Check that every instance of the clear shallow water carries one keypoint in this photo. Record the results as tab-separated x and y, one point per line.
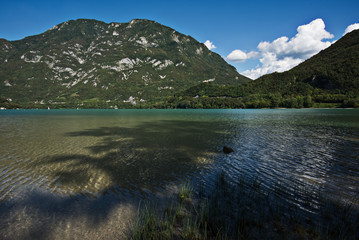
80	173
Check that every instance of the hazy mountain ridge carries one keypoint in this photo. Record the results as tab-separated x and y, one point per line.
92	63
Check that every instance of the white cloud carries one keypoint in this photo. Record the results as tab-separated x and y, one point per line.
350	28
307	42
209	45
270	64
240	56
283	53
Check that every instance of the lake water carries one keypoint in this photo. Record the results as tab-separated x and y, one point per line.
82	173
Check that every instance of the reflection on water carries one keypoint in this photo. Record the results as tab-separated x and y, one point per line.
82	173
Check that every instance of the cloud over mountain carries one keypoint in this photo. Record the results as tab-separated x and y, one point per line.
240	56
209	45
350	28
283	53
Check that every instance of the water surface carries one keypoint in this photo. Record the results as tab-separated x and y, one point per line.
82	173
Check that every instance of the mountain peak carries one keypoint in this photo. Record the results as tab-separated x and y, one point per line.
85	59
141	20
85	21
78	23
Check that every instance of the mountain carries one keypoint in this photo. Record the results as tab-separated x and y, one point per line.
90	63
335	68
328	79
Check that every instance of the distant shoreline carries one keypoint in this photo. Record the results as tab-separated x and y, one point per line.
4	109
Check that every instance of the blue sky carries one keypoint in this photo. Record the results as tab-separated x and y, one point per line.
229	25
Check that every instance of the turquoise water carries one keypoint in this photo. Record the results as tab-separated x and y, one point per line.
83	172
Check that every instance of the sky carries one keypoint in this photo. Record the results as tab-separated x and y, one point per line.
256	37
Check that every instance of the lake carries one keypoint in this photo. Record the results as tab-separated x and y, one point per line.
67	174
